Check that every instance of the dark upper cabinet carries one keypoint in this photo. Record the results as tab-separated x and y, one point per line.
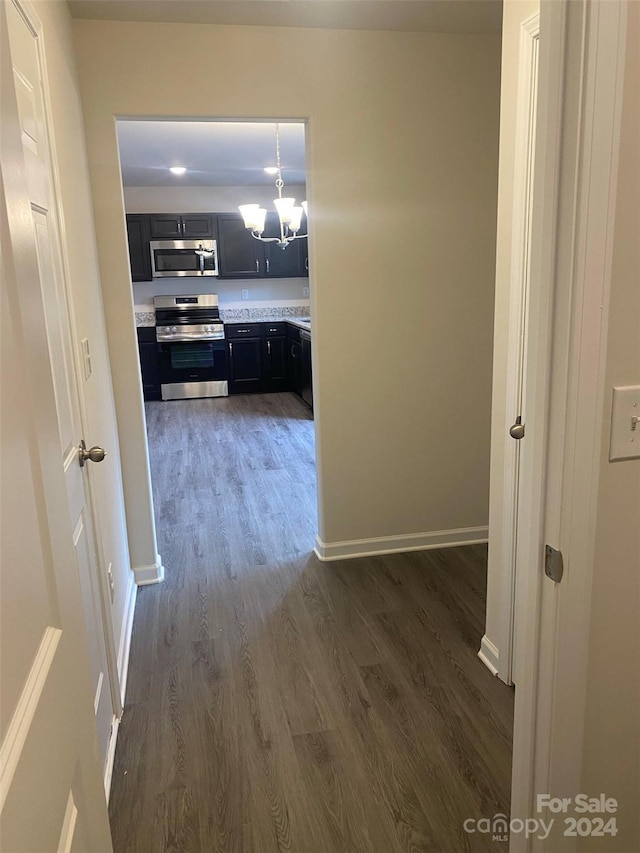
239	254
196	225
179	226
139	257
281	263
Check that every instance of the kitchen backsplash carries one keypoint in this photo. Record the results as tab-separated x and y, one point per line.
240	315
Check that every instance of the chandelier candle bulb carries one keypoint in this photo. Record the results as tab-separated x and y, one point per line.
296	218
284	206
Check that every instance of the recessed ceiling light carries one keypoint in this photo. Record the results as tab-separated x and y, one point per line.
271	170
177	170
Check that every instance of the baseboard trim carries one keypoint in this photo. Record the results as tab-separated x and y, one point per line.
124	645
489	654
327	551
111	754
154	573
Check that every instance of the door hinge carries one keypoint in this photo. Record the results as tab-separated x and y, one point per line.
553	563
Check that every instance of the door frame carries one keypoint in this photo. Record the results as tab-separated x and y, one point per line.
580	87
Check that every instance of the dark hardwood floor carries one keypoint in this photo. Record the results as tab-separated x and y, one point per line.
277	703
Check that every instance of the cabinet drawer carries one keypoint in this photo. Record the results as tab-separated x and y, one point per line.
274	329
146	334
243	330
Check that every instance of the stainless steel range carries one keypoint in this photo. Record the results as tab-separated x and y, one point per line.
191	346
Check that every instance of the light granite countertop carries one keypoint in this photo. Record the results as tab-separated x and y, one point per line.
298	315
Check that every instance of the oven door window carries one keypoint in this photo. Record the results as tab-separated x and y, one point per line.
191	361
191	356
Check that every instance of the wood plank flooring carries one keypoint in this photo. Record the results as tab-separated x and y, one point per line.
277	703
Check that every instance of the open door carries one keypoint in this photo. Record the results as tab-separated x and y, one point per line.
51	785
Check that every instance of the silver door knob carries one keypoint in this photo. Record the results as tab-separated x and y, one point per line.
517	430
93	454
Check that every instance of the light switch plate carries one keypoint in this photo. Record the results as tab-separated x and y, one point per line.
245	293
625	423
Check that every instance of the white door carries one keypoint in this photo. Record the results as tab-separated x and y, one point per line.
51	793
29	79
515	517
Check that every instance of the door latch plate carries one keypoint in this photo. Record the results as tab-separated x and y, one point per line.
553	563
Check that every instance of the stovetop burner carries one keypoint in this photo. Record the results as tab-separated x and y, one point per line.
188	318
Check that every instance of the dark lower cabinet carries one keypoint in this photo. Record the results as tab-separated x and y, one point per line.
259	357
275	363
245	365
305	379
149	362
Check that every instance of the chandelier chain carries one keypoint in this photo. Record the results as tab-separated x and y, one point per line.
279	181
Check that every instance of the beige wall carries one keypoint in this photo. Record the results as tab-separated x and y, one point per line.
612	748
86	296
513	14
401	161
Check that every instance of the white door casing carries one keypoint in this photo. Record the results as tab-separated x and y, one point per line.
581	75
52	695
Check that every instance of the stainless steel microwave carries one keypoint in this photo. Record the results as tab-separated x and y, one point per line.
170	258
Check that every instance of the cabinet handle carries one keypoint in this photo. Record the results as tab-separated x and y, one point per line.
306	264
269	347
293	355
268	264
257	265
231	348
242	331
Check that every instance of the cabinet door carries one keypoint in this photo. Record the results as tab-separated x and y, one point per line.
245	365
165	226
306	380
294	359
275	363
150	370
281	263
139	257
240	255
197	225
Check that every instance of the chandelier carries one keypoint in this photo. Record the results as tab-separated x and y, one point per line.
289	214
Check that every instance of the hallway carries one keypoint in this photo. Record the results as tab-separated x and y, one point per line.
277	703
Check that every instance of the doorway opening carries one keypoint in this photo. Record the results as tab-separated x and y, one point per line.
223	321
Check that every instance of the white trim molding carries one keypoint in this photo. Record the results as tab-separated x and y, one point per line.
327	551
489	654
124	645
111	754
153	573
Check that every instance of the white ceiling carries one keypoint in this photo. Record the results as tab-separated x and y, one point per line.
436	16
215	153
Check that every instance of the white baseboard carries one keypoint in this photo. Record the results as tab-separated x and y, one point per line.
124	645
326	551
489	654
149	574
111	754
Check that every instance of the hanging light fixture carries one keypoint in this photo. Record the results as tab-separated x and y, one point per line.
289	214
